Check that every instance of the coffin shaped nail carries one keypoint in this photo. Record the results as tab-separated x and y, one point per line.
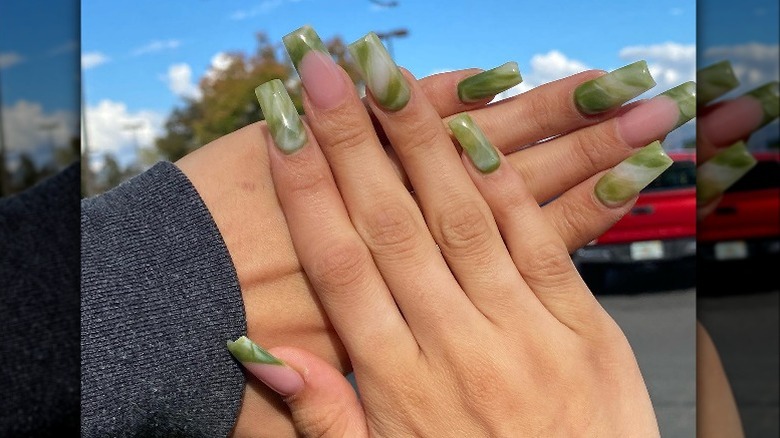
628	178
246	351
300	42
720	172
715	81
479	149
281	116
489	83
769	96
380	72
270	370
614	88
684	95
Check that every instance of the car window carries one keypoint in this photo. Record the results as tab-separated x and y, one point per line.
765	175
679	175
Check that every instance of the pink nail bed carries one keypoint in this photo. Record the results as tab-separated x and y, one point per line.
282	379
322	79
649	121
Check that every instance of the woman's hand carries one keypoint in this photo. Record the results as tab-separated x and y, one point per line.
464	316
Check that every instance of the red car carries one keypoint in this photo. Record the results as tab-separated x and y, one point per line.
660	227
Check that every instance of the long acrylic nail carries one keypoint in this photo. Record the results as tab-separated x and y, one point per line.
489	83
302	41
614	88
769	96
715	81
684	95
628	178
270	370
281	116
720	172
479	149
380	72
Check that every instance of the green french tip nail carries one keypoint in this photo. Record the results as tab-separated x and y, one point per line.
489	83
628	178
769	96
300	42
684	95
245	350
479	149
281	116
380	73
715	81
720	172
614	88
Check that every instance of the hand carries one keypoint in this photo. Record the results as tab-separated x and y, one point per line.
465	315
233	178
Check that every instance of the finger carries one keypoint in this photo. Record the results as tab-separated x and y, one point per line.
381	209
456	215
331	253
321	400
536	250
553	167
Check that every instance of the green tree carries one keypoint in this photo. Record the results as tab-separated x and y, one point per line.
228	101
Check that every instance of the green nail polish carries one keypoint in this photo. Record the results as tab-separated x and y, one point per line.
489	83
479	149
633	174
281	116
300	42
614	88
245	350
684	95
715	81
720	172
380	73
769	96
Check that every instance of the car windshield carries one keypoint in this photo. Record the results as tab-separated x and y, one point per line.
679	175
765	175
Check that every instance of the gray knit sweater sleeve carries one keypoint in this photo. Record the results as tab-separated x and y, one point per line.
159	299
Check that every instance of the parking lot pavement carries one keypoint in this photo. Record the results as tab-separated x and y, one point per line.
661	329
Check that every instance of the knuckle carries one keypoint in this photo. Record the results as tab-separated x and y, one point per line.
346	136
341	265
389	227
321	420
303	179
572	221
540	108
425	135
463	228
550	264
593	148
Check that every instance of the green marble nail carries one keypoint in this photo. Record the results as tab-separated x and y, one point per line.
715	81
720	172
245	350
769	96
380	73
614	88
479	149
684	95
281	116
489	83
633	174
300	41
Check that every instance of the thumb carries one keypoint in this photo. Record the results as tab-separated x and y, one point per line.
322	402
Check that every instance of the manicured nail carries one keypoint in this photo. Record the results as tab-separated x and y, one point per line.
650	120
382	76
489	83
614	88
302	41
684	95
720	172
628	178
715	81
281	116
270	370
769	96
479	149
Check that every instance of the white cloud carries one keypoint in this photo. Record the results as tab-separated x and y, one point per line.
93	59
670	63
754	64
27	127
10	59
546	67
263	7
180	82
108	127
156	46
219	63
